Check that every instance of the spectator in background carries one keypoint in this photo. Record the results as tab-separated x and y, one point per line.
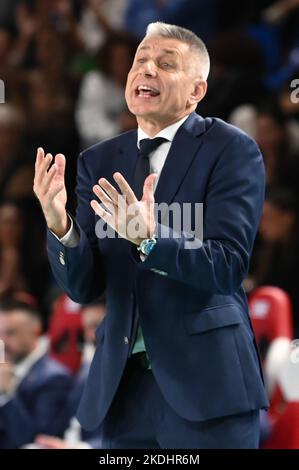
236	74
51	95
275	258
12	75
201	16
276	135
274	139
26	25
198	15
12	276
101	109
33	387
51	88
24	263
283	16
30	16
16	170
235	14
75	437
100	18
246	17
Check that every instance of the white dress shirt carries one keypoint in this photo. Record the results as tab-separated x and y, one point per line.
157	159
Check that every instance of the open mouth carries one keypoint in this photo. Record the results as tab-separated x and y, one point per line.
145	91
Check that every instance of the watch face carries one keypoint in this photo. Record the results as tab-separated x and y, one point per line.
147	249
146	246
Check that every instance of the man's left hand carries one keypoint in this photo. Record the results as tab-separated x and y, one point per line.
130	218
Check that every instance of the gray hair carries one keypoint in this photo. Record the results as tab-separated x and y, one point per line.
172	31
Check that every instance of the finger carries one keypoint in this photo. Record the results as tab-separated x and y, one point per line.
60	161
104	198
125	188
58	172
148	188
106	216
109	189
48	179
42	173
42	169
40	154
57	169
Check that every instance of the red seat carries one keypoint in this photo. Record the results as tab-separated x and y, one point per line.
271	315
66	333
285	434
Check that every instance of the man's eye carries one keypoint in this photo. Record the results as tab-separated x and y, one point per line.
140	61
166	65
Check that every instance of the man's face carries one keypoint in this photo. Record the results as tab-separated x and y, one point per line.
18	332
162	84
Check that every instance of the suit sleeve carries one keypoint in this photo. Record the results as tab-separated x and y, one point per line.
78	270
232	207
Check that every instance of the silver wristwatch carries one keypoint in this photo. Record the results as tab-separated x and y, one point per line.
147	245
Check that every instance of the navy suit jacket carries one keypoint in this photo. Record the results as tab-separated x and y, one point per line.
194	317
37	405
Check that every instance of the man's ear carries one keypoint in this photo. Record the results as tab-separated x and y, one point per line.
199	90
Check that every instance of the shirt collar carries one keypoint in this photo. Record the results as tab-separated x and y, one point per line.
168	132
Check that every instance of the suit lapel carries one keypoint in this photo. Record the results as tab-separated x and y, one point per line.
127	158
181	154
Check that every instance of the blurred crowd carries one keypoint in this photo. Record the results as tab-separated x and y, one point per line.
64	65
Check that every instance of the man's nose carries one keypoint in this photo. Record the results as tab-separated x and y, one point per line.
150	69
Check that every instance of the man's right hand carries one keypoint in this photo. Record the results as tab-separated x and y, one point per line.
49	187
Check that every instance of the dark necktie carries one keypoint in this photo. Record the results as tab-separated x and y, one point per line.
142	169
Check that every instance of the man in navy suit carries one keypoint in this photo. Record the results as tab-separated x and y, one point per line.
33	387
176	364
